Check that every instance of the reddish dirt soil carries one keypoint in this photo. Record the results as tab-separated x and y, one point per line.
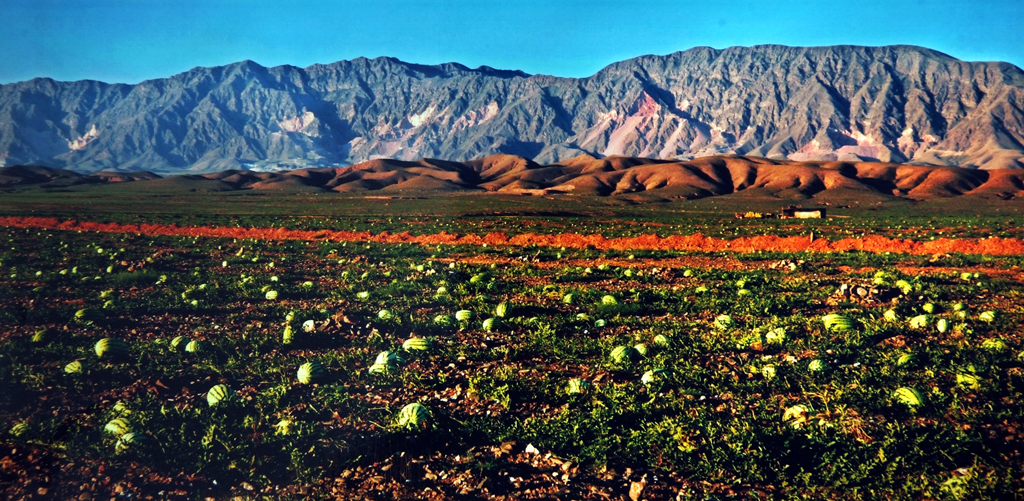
696	242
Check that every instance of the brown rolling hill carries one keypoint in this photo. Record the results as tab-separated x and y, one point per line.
583	175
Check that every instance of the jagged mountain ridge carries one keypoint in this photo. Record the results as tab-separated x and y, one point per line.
893	104
583	175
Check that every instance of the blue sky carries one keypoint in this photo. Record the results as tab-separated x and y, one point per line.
133	40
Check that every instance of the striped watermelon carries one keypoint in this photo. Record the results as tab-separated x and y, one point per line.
987	316
111	348
968	381
463	315
942	325
444	320
288	335
131	440
310	372
568	298
662	341
641	349
909	397
502	310
994	344
490	324
417	344
117	427
906	360
837	323
218	394
388	357
413	416
194	346
19	429
89	315
383	369
179	343
817	365
624	355
73	368
385	315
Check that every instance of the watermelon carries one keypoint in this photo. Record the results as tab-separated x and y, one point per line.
117	427
688	273
413	416
836	322
968	381
641	349
919	322
475	279
994	344
271	295
131	440
796	416
194	346
179	343
288	335
817	365
929	308
74	367
381	369
609	300
654	376
942	325
308	326
502	310
388	357
662	341
490	324
19	429
40	336
444	320
724	322
310	372
987	316
463	315
624	355
600	323
385	315
959	307
568	299
904	286
776	336
111	348
578	386
89	315
909	397
417	344
906	360
218	394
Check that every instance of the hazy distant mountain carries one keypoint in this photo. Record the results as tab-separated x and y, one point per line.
897	103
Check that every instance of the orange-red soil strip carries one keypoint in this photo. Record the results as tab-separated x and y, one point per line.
696	242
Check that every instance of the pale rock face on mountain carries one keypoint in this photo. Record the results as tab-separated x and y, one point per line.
892	104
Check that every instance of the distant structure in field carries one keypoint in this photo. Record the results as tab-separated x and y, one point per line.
788	212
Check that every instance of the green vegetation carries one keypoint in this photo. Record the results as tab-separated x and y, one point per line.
165	364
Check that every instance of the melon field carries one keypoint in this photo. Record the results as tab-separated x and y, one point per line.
216	350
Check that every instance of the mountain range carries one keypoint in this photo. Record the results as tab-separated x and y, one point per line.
582	175
901	104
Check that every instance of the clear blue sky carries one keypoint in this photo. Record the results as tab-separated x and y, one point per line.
133	40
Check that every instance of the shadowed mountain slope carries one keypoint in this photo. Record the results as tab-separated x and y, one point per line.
841	103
